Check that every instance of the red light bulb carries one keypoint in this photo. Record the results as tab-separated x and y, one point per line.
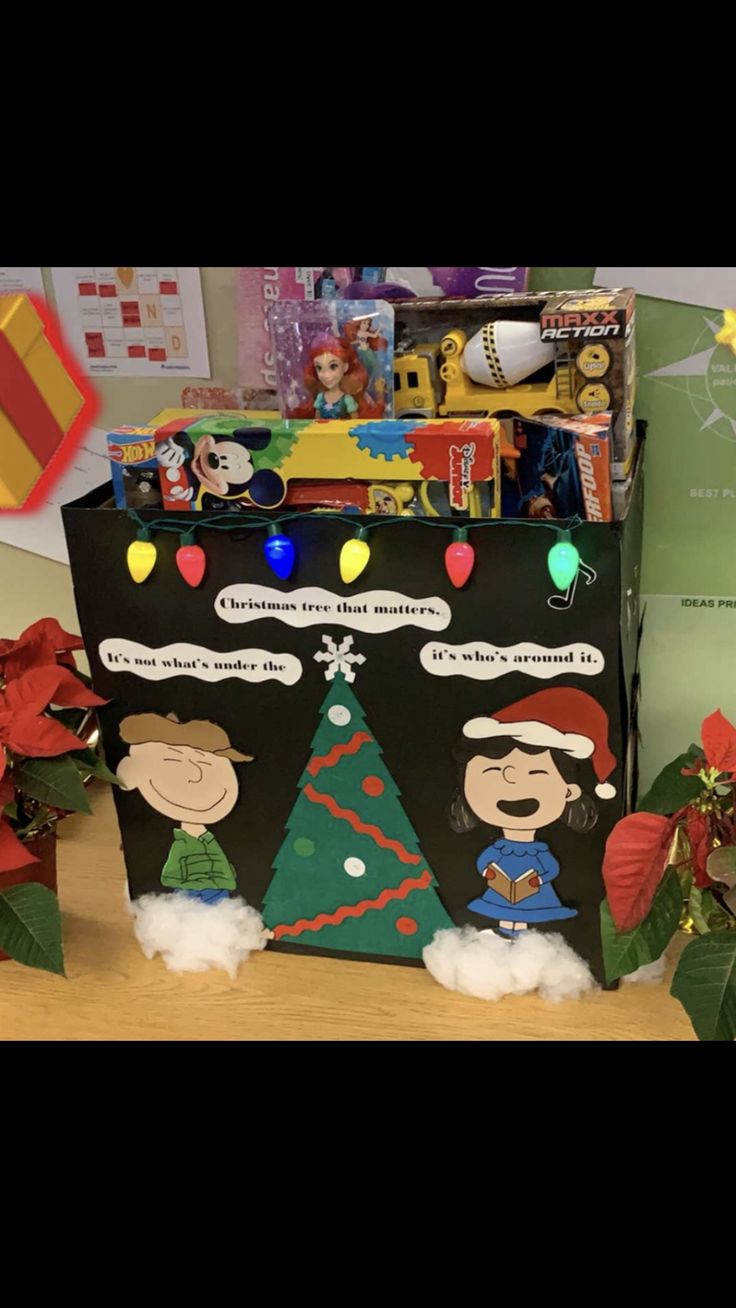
459	559
191	561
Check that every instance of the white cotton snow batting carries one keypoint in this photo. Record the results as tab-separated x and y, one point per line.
488	966
648	975
193	937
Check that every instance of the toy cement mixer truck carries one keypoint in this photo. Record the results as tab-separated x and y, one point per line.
484	376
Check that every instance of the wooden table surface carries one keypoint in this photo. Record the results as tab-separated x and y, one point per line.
113	993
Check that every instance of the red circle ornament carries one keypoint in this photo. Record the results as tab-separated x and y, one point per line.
373	786
406	926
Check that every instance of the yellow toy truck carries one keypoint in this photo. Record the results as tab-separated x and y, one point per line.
431	381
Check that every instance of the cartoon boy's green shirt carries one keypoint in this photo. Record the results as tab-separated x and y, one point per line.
197	863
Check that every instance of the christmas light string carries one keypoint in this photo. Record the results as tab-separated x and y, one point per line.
563	560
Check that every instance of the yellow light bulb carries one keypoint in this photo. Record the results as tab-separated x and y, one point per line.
354	557
141	559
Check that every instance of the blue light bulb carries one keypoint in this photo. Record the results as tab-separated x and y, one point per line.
280	554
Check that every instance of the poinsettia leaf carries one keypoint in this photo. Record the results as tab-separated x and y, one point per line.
53	781
20	655
671	790
7	792
32	691
625	951
42	644
695	751
70	717
719	742
38	737
50	629
707	912
39	687
13	854
90	764
705	984
75	689
699	834
722	865
634	864
30	927
699	905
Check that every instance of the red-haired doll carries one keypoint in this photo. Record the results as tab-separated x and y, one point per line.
338	381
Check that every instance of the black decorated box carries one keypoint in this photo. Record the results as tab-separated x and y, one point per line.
369	763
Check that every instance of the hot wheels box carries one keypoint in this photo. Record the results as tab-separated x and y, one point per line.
135	466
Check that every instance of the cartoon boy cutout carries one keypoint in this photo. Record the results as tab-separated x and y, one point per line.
517	772
185	771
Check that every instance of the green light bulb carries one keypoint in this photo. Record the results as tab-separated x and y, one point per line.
563	563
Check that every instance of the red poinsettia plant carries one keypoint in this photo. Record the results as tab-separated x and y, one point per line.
675	860
44	703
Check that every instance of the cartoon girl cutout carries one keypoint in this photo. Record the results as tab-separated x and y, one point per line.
337	381
517	771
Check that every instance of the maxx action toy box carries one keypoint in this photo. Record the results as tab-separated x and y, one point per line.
521	355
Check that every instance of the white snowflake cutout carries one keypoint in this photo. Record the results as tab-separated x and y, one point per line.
339	658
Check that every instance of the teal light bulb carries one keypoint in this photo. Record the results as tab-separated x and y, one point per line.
563	563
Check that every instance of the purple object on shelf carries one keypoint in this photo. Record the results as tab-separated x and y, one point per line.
464	283
473	282
371	291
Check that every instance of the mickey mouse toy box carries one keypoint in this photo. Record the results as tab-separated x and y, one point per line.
230	462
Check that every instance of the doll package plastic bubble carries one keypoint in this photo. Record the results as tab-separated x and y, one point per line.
334	358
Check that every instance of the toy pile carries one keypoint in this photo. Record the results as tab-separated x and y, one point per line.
517	406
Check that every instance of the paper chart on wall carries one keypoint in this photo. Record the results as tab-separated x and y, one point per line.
41	532
15	280
134	322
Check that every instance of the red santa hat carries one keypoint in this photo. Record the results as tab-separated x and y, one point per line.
559	718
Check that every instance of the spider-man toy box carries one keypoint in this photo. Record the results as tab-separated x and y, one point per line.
563	468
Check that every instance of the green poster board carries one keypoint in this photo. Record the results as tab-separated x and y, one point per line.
687	392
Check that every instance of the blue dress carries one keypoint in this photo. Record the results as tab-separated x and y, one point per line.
515	857
345	407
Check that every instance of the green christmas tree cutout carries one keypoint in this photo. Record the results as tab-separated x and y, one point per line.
350	874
